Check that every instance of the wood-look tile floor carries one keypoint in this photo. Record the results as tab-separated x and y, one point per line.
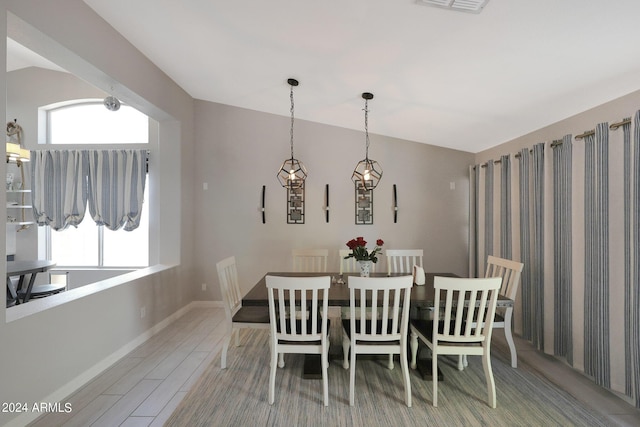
144	387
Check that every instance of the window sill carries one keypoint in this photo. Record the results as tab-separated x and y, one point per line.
35	306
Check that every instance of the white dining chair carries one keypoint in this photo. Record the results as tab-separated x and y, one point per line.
510	272
238	317
377	324
299	322
350	265
310	260
403	260
451	332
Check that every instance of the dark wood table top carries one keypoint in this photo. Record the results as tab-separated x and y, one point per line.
421	296
20	268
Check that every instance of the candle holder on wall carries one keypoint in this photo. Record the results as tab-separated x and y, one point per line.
395	204
295	205
364	203
264	190
326	208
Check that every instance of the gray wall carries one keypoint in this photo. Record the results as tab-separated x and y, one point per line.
48	354
238	151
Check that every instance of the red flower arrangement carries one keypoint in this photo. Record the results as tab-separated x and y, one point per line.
359	251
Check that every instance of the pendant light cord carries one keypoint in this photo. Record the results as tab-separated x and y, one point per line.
366	127
291	97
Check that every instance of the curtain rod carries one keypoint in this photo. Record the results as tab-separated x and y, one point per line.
556	142
517	155
484	165
586	133
615	126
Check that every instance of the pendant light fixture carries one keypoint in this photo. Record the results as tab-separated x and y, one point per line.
292	173
367	172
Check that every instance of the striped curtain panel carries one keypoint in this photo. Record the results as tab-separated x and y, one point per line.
628	271
581	252
505	208
537	248
488	212
59	187
474	178
596	292
562	260
525	243
633	295
116	187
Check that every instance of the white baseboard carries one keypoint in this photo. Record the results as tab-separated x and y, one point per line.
207	304
84	378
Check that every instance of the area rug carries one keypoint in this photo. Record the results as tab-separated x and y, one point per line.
238	395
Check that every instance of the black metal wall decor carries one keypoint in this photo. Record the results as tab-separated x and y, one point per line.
295	204
364	203
264	190
395	204
326	208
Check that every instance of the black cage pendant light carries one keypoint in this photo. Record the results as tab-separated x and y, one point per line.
292	173
368	172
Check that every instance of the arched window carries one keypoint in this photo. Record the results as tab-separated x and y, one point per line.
87	123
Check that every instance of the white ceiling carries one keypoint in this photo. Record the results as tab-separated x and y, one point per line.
453	79
19	57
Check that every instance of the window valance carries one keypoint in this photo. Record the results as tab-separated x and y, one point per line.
110	181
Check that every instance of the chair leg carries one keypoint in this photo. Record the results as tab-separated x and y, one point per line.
390	364
352	378
237	334
345	350
225	348
509	337
488	373
281	360
272	374
404	365
414	349
325	379
434	377
463	362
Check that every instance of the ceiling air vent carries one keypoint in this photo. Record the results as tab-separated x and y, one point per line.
472	6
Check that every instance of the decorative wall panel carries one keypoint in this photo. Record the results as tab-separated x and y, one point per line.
364	203
295	205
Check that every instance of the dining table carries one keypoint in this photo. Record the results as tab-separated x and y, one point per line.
27	271
422	300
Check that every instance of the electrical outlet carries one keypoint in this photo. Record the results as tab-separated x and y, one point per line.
204	286
143	312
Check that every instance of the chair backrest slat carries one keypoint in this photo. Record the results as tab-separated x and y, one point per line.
229	285
382	298
295	315
479	295
310	260
403	260
509	271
